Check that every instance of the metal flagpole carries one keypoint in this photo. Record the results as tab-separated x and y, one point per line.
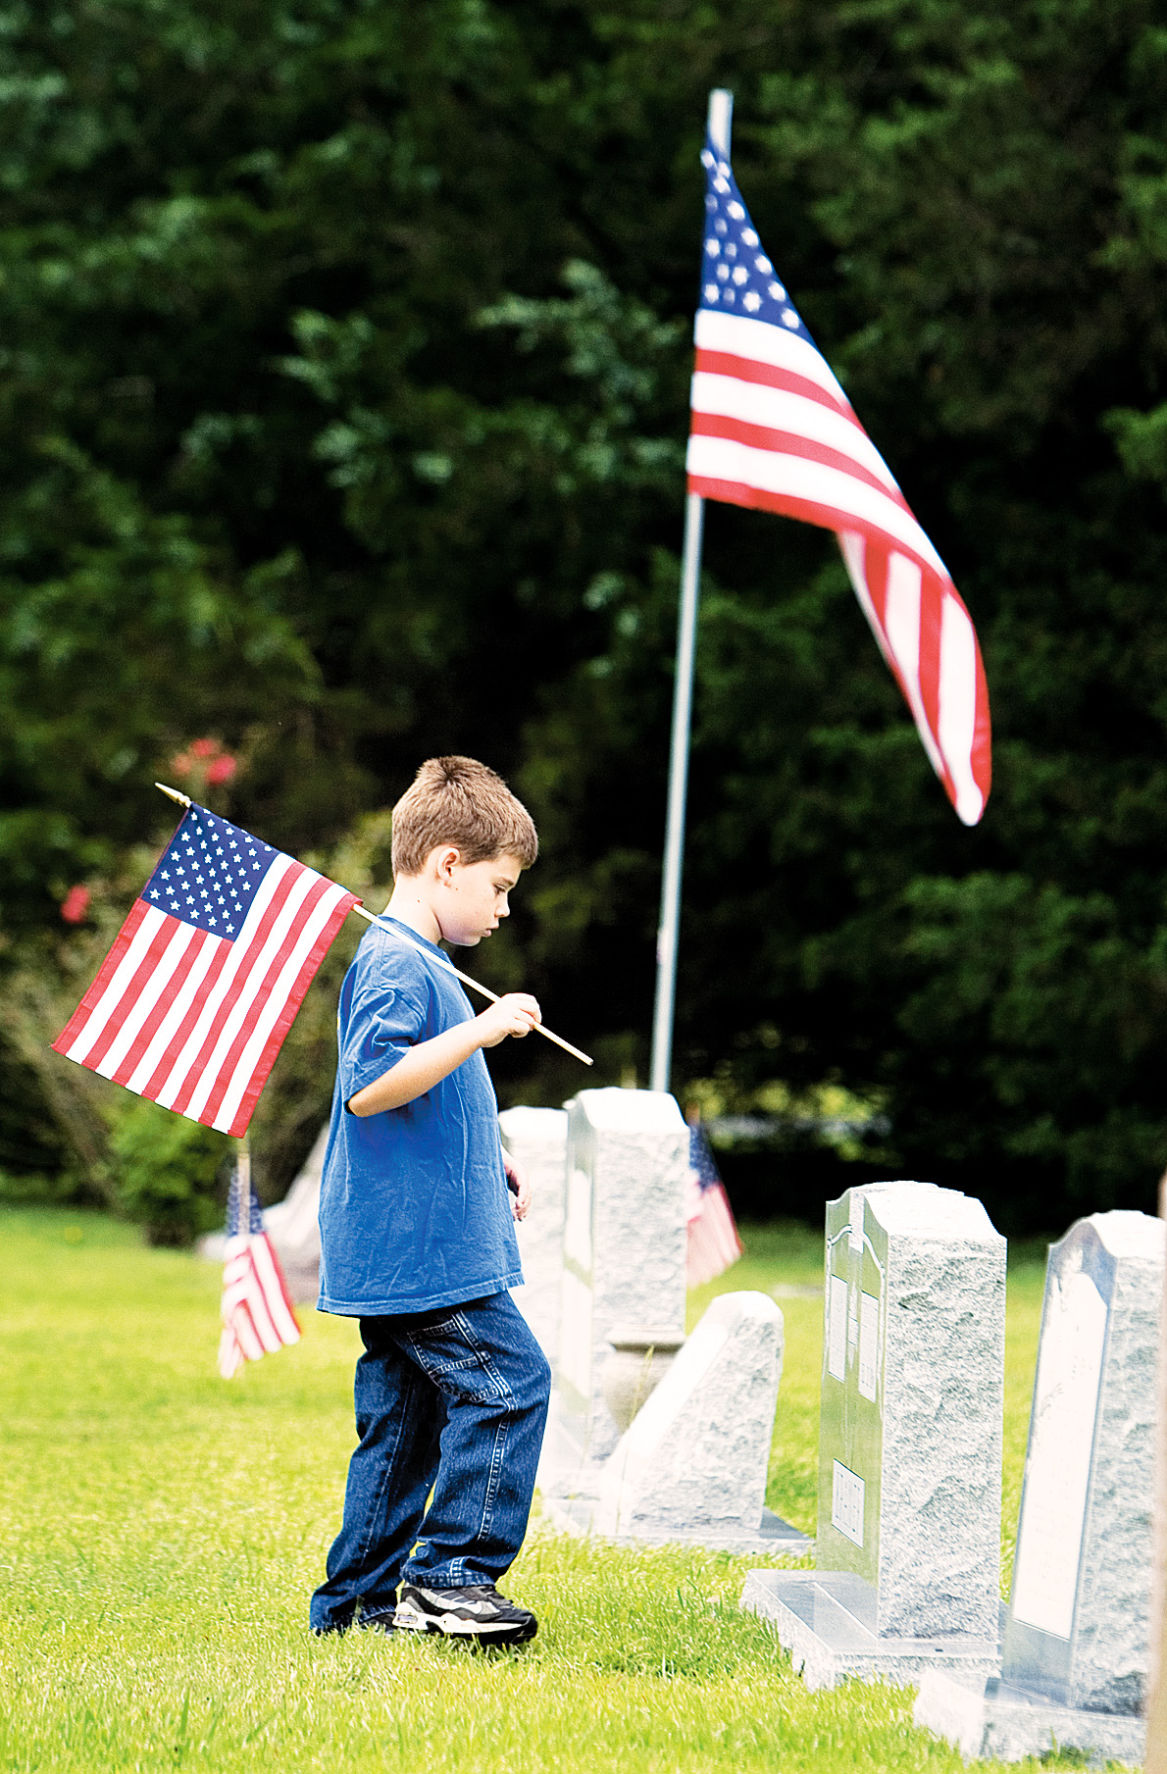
719	120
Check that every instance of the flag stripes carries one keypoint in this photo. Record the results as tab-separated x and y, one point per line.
258	1316
772	429
712	1241
193	1018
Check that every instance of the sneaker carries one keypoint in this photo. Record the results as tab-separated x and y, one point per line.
477	1611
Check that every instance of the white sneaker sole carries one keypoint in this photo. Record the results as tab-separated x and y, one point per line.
455	1626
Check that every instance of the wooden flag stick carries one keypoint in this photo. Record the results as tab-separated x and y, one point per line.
372	918
493	996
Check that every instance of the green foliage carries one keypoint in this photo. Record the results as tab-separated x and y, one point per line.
169	1172
343	365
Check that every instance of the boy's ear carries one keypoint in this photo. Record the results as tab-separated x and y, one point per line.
444	860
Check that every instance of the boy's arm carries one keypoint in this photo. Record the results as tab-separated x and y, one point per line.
430	1061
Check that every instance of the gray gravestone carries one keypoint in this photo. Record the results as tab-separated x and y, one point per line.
908	1544
537	1140
624	1247
294	1229
1075	1652
691	1468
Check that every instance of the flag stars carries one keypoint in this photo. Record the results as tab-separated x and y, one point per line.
738	274
209	875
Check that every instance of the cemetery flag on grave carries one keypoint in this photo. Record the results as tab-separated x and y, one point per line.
203	982
772	428
257	1313
712	1243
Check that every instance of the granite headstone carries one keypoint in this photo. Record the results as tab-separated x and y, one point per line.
908	1543
691	1467
1075	1651
537	1140
624	1245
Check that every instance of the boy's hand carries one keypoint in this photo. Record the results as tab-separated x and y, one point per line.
516	1015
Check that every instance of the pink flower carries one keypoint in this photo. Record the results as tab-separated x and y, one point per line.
181	764
75	905
205	748
220	770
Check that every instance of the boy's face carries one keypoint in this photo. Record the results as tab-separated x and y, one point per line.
475	898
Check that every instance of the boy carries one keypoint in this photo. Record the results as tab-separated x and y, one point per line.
416	1220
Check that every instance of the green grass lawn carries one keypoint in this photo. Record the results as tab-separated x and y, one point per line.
162	1530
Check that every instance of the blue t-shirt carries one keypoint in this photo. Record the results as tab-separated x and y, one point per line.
414	1206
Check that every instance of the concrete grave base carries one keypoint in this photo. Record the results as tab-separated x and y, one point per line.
827	1642
994	1720
576	1515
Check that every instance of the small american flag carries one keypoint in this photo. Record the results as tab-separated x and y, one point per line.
257	1313
772	428
713	1243
203	982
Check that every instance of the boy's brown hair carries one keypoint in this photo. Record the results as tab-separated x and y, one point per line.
460	801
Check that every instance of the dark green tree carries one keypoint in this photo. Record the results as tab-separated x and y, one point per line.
344	360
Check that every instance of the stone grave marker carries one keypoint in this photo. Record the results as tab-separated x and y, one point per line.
691	1467
537	1140
1075	1652
908	1544
624	1247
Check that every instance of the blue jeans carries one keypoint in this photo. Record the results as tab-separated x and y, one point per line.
452	1403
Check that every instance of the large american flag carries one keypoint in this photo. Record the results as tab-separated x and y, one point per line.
772	428
192	1003
258	1317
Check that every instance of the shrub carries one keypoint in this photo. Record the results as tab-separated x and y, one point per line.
167	1172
